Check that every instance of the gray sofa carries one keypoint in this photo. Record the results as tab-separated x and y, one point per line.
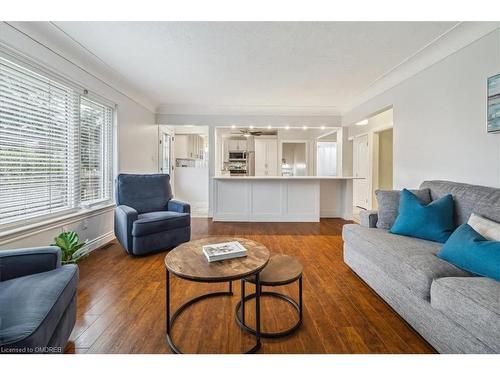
455	311
37	300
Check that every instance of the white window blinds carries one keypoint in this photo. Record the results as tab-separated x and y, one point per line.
95	144
54	156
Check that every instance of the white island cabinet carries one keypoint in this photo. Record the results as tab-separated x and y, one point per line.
281	199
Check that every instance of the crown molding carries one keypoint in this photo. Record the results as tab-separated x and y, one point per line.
57	41
246	110
455	39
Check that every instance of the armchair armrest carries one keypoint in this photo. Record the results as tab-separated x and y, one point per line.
178	206
23	262
368	218
124	220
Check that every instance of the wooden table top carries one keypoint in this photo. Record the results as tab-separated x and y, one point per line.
281	269
188	261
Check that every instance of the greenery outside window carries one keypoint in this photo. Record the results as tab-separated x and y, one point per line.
55	147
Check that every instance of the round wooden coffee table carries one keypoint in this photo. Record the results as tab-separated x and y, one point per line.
188	262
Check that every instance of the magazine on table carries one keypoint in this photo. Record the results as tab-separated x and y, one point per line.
224	250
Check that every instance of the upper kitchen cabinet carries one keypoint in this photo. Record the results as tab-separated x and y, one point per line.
189	146
266	156
237	144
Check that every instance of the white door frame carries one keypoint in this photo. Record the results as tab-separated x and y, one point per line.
162	130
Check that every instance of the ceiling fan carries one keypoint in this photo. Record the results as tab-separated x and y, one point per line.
247	132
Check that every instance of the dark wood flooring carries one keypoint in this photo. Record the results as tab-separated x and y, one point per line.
121	301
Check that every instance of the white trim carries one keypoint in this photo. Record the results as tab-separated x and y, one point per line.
278	218
58	43
455	39
245	110
334	213
21	232
40	68
96	243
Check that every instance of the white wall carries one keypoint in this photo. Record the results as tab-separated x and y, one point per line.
136	142
440	119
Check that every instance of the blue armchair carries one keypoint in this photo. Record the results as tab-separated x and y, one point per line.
37	300
147	219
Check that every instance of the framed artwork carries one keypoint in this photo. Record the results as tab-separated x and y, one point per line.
494	104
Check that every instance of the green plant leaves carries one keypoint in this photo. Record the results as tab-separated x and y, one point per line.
69	244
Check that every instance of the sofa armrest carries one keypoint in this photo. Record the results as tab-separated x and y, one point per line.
124	220
23	262
178	206
368	218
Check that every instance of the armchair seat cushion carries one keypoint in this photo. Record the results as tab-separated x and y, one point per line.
159	221
32	306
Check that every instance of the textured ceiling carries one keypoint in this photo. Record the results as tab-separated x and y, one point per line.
283	64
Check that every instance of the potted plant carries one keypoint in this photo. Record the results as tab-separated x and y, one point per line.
69	243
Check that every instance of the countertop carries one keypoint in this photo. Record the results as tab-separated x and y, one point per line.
225	177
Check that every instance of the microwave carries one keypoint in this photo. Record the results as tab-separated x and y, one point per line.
237	155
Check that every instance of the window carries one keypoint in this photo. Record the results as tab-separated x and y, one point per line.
95	145
55	147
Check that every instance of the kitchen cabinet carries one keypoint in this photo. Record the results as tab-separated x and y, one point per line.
266	156
237	145
189	146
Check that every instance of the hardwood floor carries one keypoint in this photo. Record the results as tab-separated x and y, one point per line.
121	301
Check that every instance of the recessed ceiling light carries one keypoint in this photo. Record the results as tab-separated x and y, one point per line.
251	126
287	127
362	122
304	127
269	126
323	127
233	126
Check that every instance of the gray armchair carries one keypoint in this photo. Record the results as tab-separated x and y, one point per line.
37	300
147	219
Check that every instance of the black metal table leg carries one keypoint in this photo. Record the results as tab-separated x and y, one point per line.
240	308
167	300
170	319
257	307
243	301
300	298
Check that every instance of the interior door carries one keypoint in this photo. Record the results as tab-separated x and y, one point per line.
167	155
360	170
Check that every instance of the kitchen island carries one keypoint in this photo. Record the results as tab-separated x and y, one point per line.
281	198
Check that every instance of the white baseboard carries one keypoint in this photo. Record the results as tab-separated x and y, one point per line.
276	218
330	214
97	243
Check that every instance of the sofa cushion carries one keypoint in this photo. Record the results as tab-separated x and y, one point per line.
160	221
471	302
388	205
32	306
481	200
410	261
470	251
433	221
487	228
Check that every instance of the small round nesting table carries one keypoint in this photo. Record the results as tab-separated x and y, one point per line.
188	262
281	270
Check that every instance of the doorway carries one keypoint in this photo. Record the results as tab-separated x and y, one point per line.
294	158
372	159
382	162
184	156
361	163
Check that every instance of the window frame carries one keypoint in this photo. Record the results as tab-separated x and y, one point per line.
78	210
